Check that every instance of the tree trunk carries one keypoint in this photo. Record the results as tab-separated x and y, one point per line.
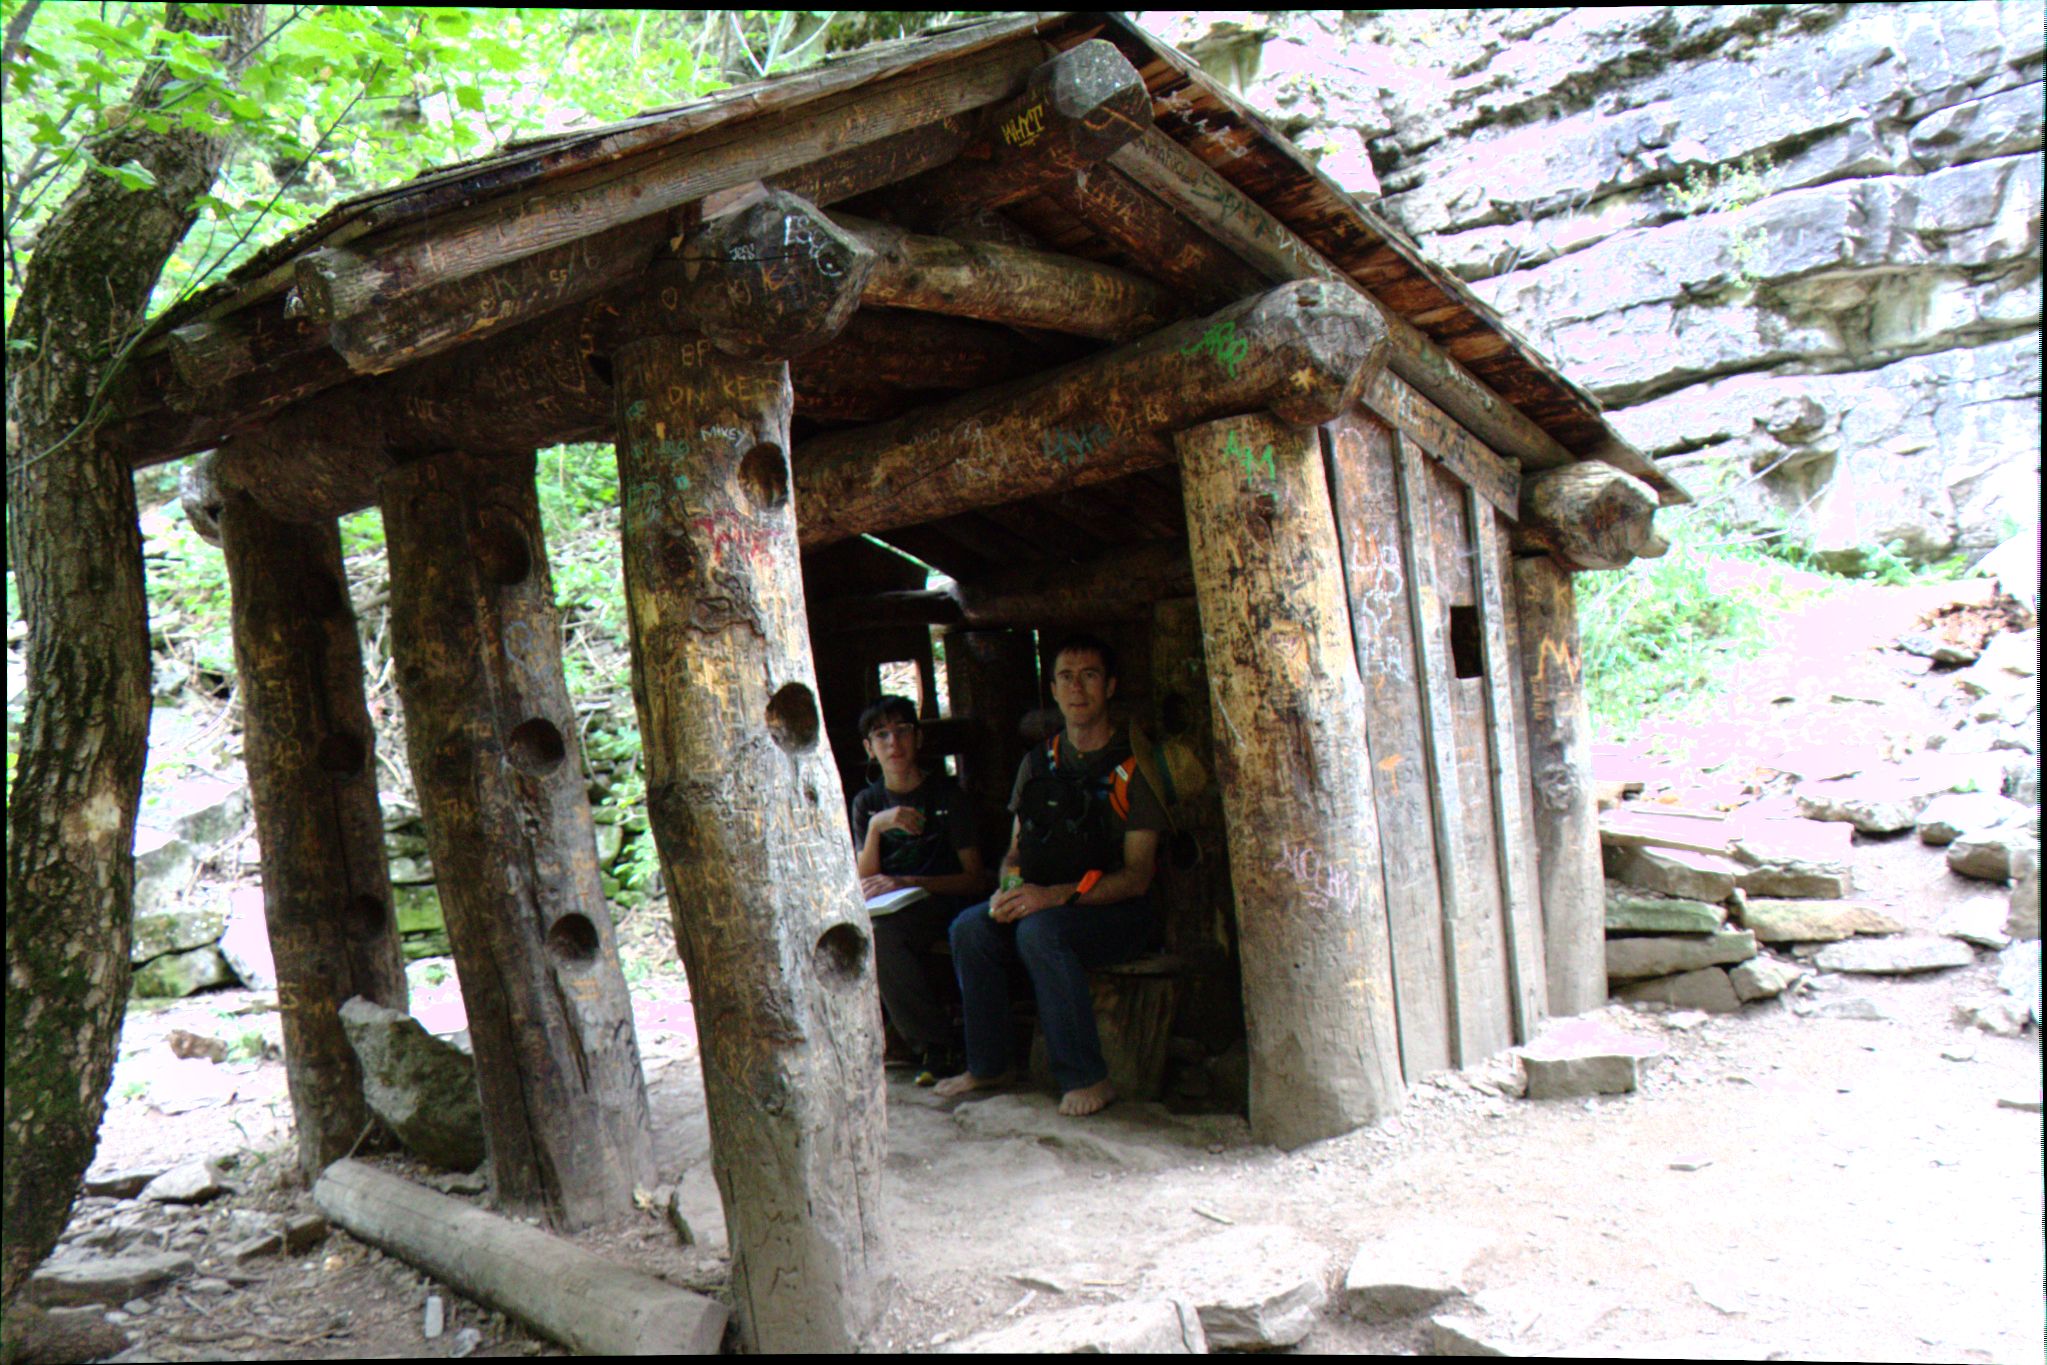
313	781
750	819
1295	778
77	555
493	744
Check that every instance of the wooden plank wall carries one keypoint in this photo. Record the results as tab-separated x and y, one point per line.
1450	774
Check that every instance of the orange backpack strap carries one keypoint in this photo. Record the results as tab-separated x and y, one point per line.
1119	790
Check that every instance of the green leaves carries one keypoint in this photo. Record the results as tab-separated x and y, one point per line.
132	175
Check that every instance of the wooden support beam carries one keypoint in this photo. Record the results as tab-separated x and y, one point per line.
1121	584
1306	351
750	819
918	351
1191	262
1590	516
1008	284
774	278
309	745
210	353
566	1294
340	284
1190	186
1296	780
1077	109
494	749
1520	894
1560	773
1364	489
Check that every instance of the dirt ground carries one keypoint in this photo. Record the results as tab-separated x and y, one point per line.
1781	1187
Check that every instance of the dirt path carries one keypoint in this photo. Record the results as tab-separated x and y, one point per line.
1781	1187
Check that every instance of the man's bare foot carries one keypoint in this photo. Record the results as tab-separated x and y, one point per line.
966	1083
1086	1100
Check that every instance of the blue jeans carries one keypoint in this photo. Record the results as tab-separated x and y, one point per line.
1056	947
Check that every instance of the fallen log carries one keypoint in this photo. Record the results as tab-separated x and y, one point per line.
1305	351
586	1303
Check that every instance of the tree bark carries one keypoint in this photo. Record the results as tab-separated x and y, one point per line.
1306	351
313	781
494	747
77	555
750	820
1295	778
1560	771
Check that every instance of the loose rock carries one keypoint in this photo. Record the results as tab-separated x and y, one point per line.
1254	1288
1675	871
122	1184
191	1182
1410	1272
109	1280
304	1232
424	1090
1763	978
1795	858
1582	1057
245	941
1148	1327
1844	1007
1804	921
183	973
2022	919
1874	804
1947	818
2002	1015
255	1248
1630	911
1895	956
188	1045
1460	1334
1661	955
1987	854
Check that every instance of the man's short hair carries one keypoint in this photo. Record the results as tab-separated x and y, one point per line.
885	710
1080	642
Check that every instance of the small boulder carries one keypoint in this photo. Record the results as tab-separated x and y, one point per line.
2022	918
1950	817
1254	1288
2002	1015
1763	978
303	1232
1675	871
1987	853
174	928
1148	1327
1665	954
1806	921
1578	1057
189	1182
120	1184
1874	804
1463	1334
180	974
423	1089
245	941
1895	956
107	1279
1411	1271
2018	973
1842	1007
1708	988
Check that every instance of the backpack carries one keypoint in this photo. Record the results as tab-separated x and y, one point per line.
1072	823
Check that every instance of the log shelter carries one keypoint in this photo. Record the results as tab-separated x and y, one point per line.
1030	301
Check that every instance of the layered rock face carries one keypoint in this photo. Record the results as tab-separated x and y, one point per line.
1795	250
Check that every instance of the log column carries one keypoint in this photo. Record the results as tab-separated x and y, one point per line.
312	779
1560	771
992	675
494	750
751	822
1295	778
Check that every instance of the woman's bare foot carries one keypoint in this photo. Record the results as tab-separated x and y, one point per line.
1086	1100
966	1083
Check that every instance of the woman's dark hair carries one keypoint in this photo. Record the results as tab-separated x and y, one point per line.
885	710
1080	642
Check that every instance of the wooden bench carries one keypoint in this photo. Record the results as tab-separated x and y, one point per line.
1134	1006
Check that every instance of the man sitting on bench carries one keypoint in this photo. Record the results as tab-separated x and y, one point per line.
1075	879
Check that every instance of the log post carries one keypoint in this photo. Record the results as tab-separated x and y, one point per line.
1591	516
773	278
313	782
751	823
1560	770
1305	351
1295	777
494	748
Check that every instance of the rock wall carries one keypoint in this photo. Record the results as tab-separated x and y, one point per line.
1794	249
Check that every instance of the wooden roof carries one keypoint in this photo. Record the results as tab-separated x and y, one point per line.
666	153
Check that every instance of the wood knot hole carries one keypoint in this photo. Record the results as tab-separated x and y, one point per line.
502	553
841	954
792	718
764	477
536	748
322	597
573	941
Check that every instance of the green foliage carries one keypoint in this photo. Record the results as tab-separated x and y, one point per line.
1666	633
1728	189
187	581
